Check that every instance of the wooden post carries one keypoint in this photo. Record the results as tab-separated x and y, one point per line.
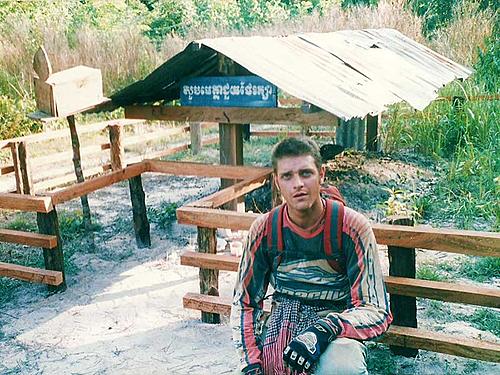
116	149
404	308
17	167
75	144
141	223
209	279
25	167
196	137
54	258
231	152
372	125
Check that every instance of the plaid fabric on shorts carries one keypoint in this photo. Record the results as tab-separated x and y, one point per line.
288	319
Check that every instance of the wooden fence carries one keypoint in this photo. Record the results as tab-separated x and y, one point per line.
207	216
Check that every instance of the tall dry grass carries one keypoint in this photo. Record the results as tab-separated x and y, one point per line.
461	39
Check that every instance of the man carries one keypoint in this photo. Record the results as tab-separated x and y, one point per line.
322	263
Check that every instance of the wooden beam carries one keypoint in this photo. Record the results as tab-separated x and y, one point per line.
290	133
209	278
203	170
230	115
232	192
211	261
402	263
196	137
443	291
34	275
441	343
97	183
54	258
116	147
230	153
63	133
5	169
140	217
11	201
401	336
25	166
28	238
214	218
450	240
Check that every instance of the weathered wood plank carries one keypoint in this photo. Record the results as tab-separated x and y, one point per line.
230	115
233	192
140	217
34	275
196	137
28	238
10	201
450	240
97	183
211	261
209	278
290	133
454	241
6	169
25	167
441	343
203	170
401	336
53	258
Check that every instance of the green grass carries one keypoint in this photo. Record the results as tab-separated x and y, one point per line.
430	272
164	215
485	320
480	268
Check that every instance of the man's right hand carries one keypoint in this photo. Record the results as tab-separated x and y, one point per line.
255	369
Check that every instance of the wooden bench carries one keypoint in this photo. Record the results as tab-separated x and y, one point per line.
407	337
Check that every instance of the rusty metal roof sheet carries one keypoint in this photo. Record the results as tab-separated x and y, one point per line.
349	73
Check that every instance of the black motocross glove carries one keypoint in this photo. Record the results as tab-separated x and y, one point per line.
255	369
302	353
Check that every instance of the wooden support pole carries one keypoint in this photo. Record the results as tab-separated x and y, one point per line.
54	258
17	167
75	144
231	153
24	164
372	126
116	149
141	223
404	308
196	137
209	279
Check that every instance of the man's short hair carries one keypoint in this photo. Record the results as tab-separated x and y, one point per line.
291	147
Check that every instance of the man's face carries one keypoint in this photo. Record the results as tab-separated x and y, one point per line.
299	180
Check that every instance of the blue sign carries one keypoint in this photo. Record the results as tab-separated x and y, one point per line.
231	91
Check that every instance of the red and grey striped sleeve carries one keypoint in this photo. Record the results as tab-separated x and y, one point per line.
368	314
251	286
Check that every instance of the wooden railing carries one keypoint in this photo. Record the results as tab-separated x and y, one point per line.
40	173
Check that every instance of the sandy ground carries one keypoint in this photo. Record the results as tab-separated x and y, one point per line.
126	316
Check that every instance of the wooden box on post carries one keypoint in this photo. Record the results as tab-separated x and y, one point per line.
66	92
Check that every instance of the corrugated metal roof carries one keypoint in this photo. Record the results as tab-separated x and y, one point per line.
349	73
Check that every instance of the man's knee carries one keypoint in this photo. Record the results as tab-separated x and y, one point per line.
343	357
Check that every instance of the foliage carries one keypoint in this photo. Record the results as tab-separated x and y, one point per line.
485	319
13	120
400	203
350	3
436	13
488	64
164	215
480	268
428	272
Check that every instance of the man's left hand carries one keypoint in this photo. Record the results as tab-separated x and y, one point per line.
303	352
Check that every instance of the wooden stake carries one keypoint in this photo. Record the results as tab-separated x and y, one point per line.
116	149
54	258
209	279
372	125
17	167
404	308
75	144
231	152
25	168
196	137
141	223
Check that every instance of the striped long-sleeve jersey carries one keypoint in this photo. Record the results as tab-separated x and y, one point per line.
303	272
